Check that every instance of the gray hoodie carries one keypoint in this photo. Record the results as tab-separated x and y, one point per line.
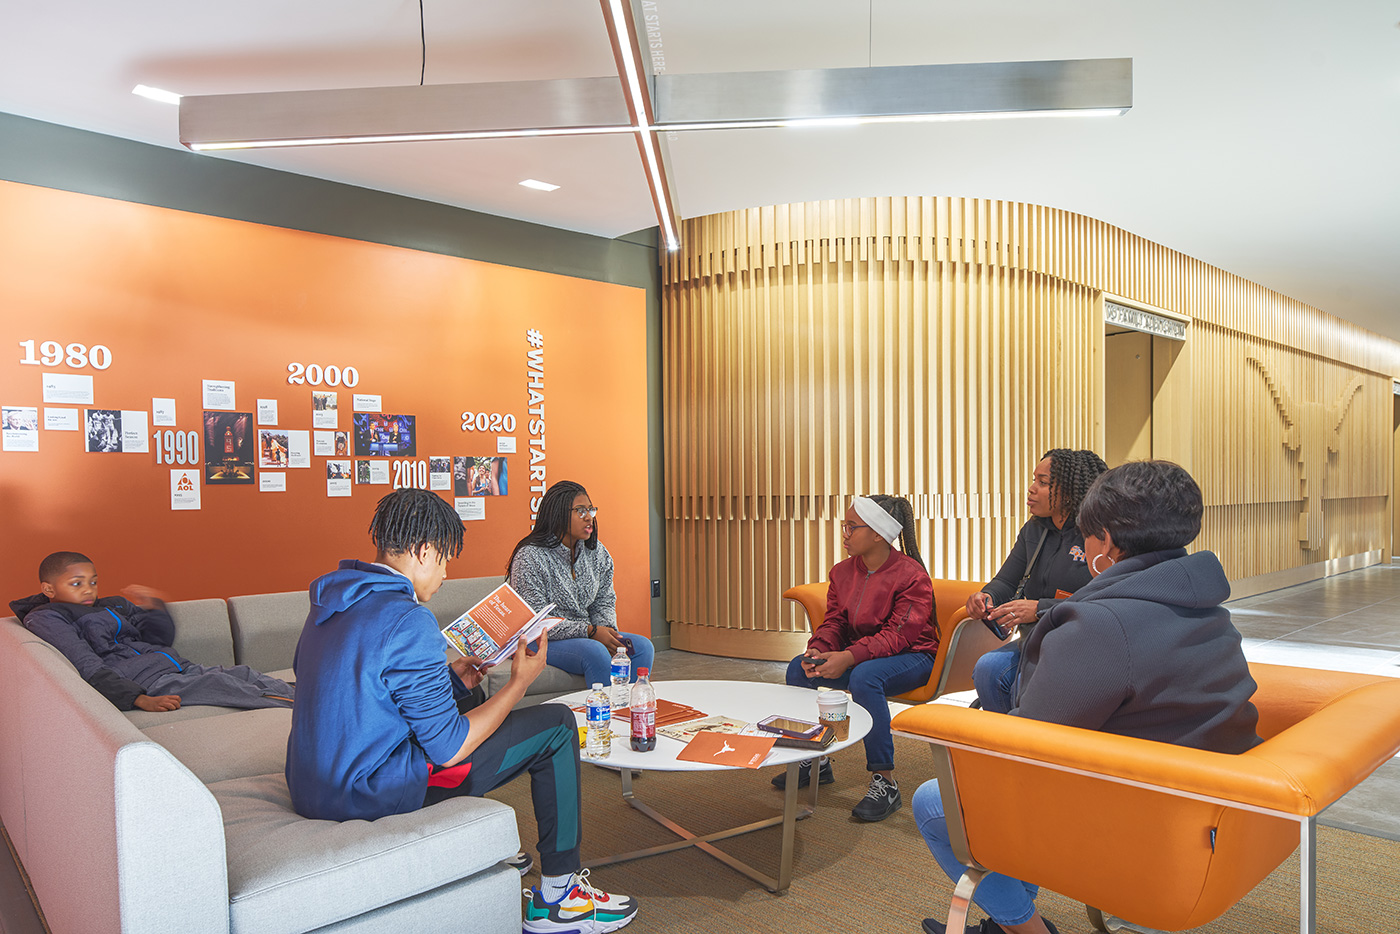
1145	649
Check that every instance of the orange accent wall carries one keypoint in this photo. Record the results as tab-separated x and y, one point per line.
179	298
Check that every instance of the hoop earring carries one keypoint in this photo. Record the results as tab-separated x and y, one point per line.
1094	565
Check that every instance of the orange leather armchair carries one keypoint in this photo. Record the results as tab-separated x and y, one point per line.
961	641
1049	804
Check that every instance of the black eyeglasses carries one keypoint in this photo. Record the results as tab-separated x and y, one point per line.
585	512
849	527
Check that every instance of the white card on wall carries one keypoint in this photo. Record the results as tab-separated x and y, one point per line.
62	420
364	403
135	440
219	395
20	425
505	444
298	449
267	411
324	443
163	413
68	388
272	481
184	489
470	508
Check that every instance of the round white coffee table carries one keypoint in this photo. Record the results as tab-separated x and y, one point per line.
750	701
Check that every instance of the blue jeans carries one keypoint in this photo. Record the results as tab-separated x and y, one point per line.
1007	900
590	658
870	682
994	676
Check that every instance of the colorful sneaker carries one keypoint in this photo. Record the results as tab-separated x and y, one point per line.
522	861
585	910
880	801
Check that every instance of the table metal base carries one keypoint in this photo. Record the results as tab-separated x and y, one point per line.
790	816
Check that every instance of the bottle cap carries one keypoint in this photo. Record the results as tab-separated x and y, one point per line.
642	672
597	685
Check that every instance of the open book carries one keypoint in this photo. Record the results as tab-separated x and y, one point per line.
494	627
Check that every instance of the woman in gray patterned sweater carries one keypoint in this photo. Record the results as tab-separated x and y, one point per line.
562	562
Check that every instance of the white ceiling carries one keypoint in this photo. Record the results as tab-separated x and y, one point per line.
1264	137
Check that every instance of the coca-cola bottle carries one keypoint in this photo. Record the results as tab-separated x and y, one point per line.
643	704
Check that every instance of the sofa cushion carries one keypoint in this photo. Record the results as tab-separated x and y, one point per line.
288	874
244	743
266	628
202	631
459	594
145	719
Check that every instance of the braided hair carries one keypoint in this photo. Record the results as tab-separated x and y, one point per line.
899	507
1071	473
553	518
406	520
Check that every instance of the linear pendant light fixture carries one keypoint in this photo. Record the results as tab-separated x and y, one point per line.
650	106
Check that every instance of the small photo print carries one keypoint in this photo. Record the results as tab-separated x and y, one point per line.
479	476
385	435
104	430
324	412
362	471
337	470
342	444
20	427
229	447
439	473
274	448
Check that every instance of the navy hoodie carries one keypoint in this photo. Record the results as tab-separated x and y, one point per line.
375	698
1145	649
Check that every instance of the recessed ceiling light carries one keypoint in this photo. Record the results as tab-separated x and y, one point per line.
156	94
538	185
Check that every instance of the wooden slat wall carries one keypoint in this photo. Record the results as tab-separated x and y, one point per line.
934	348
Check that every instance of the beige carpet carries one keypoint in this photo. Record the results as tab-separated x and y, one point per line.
851	877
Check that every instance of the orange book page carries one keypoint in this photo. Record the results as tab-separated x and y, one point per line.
501	614
745	752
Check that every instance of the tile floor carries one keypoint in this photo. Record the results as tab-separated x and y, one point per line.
1346	623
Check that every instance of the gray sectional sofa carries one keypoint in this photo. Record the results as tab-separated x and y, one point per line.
143	822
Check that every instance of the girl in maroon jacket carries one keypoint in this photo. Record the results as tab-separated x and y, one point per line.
878	636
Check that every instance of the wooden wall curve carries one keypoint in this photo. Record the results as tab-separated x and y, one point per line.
934	348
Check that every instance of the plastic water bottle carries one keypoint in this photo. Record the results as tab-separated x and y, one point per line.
599	741
621	675
643	704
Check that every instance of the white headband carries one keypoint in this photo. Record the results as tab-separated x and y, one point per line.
885	525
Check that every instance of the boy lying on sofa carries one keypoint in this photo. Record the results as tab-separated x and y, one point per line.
123	650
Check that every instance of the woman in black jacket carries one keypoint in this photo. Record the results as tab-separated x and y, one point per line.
1045	566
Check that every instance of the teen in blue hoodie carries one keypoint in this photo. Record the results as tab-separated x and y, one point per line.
376	731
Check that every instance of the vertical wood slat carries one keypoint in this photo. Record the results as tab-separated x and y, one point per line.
934	348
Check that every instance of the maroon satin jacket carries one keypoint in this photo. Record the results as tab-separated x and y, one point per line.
878	614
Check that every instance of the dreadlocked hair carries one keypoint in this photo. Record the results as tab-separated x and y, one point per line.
552	520
52	567
407	519
899	507
1071	473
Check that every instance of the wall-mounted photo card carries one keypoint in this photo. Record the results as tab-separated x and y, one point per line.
362	471
439	473
272	481
480	476
70	388
219	394
230	447
298	449
366	403
379	472
62	420
385	435
274	448
104	430
163	413
323	443
135	438
184	489
342	444
267	411
20	427
470	508
338	474
324	410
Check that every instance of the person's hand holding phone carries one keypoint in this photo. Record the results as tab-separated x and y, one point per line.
979	605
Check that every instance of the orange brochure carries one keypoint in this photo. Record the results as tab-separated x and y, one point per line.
491	630
732	749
